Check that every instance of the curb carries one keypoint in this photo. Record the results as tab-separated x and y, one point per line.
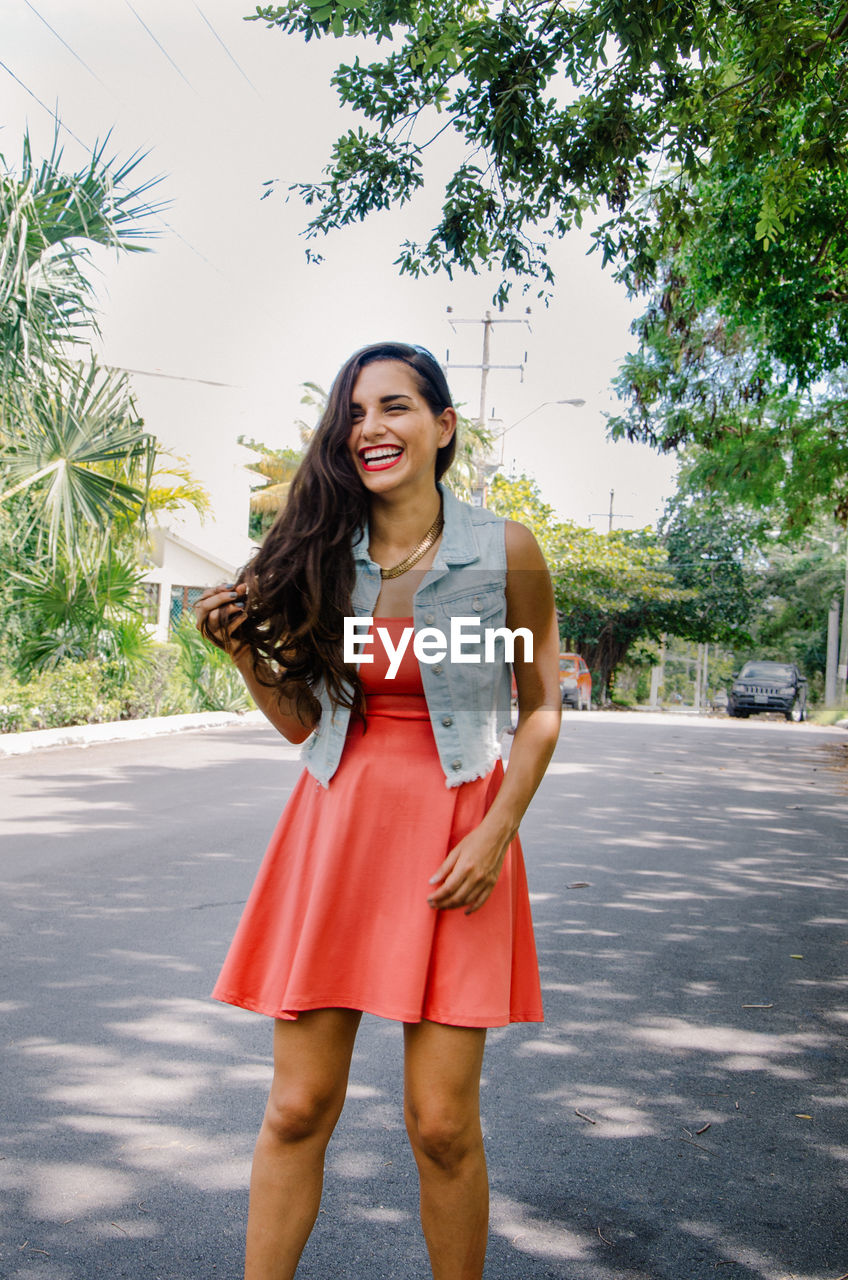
86	735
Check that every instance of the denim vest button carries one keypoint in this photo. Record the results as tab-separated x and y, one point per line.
447	721
457	764
476	604
438	669
430	618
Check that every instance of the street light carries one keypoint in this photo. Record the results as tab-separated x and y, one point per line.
576	403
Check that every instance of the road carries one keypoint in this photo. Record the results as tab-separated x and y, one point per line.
680	1116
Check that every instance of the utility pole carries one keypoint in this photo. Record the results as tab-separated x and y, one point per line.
830	698
658	676
488	323
842	669
706	676
485	364
611	513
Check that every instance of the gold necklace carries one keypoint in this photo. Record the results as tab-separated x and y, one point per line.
423	547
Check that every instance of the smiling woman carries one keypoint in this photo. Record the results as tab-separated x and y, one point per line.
393	427
394	883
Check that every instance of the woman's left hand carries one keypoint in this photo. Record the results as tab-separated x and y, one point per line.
469	873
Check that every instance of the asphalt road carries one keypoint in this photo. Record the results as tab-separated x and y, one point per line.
680	1116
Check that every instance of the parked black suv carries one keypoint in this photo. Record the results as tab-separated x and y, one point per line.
768	686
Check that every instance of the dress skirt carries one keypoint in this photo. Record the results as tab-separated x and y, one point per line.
338	916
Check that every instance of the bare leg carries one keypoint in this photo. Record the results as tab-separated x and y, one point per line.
311	1064
442	1105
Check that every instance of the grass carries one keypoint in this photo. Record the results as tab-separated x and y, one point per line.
828	715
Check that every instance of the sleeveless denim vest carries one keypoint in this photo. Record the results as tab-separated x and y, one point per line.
469	702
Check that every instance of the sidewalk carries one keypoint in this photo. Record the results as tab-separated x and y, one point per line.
85	735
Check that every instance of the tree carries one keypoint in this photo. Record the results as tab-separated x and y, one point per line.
519	498
617	588
49	221
760	588
711	141
74	441
610	589
713	552
742	352
278	467
797	588
559	109
750	436
213	679
68	430
78	471
77	617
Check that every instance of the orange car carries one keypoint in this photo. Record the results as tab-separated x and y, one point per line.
575	682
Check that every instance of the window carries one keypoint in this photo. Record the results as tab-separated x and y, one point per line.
150	595
182	599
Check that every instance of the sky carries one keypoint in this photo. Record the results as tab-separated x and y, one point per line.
225	319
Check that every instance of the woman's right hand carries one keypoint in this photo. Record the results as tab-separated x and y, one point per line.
219	612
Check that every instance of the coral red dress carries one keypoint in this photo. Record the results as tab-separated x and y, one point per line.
338	916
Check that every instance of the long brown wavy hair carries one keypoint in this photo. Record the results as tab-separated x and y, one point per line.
299	582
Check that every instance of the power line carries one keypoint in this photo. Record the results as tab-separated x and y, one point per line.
232	59
160	46
61	40
152	212
173	377
189	245
60	124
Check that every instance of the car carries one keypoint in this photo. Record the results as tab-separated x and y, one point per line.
575	682
768	686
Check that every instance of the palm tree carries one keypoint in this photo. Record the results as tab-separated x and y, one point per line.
77	467
473	445
96	614
49	222
75	443
69	433
278	466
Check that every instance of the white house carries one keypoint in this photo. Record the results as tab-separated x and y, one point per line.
180	572
188	552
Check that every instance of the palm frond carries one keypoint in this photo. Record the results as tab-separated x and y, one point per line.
93	614
174	487
78	445
272	498
49	220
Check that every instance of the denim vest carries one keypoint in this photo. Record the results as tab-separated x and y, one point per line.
469	703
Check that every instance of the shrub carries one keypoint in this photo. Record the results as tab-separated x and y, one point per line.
72	693
159	688
829	715
215	683
179	678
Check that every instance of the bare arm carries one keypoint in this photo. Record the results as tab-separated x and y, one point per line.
470	871
219	613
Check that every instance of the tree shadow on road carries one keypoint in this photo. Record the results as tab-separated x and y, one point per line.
655	1128
692	940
